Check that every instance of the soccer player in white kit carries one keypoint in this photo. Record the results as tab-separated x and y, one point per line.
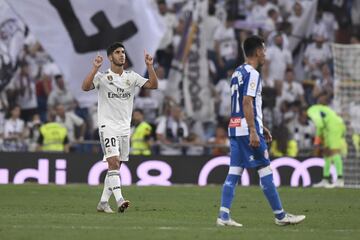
116	89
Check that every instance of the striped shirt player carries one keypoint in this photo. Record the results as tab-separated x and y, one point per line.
246	81
248	137
116	89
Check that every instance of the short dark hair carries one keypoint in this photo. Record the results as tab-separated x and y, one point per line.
58	76
113	47
289	69
139	111
251	44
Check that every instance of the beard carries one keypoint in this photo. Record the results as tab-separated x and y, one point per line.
118	63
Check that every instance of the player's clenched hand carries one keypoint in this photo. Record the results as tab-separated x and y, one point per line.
267	135
98	61
148	59
254	139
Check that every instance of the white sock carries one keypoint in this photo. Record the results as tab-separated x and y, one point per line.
107	192
114	183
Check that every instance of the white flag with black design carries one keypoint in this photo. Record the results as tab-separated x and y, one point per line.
72	32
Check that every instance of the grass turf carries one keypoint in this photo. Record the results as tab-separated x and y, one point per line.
180	212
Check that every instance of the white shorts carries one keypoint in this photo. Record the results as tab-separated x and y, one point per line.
114	144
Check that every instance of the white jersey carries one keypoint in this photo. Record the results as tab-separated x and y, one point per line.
115	98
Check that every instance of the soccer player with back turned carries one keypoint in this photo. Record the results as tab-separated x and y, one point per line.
248	137
116	89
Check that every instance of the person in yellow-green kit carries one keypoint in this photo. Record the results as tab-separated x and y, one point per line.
53	136
141	135
330	134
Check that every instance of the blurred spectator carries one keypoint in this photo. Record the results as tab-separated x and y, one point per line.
277	60
15	131
141	134
269	101
148	104
93	128
226	47
283	144
26	92
195	145
272	21
172	130
161	92
61	95
303	130
260	10
331	25
165	50
296	14
223	100
291	90
355	12
324	84
43	89
319	28
220	141
285	7
53	136
71	122
33	127
315	55
211	23
283	28
283	113
354	112
3	109
354	39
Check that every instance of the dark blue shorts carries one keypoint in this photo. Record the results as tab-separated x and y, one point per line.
242	155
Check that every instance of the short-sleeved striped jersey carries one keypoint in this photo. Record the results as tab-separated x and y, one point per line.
245	81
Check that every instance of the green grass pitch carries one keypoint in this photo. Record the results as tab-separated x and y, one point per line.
180	212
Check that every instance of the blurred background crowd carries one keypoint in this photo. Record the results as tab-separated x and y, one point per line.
294	77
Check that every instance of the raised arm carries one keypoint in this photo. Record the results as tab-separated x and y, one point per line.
87	84
249	116
153	80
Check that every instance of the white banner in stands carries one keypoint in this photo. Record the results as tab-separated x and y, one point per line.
72	32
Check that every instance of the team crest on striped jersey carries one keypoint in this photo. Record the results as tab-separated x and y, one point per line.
252	86
266	154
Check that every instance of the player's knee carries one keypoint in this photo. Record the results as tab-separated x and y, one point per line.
113	162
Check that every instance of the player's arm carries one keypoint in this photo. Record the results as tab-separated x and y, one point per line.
152	83
87	84
249	116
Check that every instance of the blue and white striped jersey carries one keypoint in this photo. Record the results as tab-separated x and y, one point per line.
245	81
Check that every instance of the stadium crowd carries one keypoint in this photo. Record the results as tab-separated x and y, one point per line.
293	80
